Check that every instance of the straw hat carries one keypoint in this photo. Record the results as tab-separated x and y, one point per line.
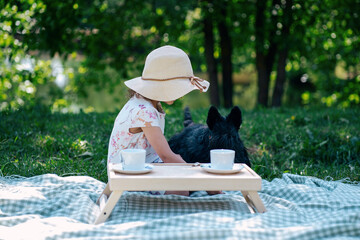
167	76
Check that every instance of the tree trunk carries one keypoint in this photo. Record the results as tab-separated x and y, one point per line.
280	79
281	72
263	80
265	58
210	60
226	54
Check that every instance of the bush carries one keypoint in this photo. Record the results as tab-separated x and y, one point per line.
20	74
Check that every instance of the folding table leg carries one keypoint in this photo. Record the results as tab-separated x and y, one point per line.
107	205
254	201
249	202
105	192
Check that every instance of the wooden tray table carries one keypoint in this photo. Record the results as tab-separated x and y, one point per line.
180	177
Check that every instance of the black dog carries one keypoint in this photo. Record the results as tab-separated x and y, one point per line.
195	141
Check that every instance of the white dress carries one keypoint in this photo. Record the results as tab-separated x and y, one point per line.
136	113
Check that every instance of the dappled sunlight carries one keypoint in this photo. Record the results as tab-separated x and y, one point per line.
50	144
45	141
23	193
42	228
79	144
130	225
60	227
225	219
297	229
79	179
252	222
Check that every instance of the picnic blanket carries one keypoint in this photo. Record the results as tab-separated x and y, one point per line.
298	207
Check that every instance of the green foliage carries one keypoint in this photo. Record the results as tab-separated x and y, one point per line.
315	142
342	93
20	74
117	35
324	37
111	33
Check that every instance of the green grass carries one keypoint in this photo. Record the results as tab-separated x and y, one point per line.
314	142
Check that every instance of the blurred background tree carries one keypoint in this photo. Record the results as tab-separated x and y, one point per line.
20	74
266	53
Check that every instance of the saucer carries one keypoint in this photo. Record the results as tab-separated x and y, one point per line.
119	168
236	168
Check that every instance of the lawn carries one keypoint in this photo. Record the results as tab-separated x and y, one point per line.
320	142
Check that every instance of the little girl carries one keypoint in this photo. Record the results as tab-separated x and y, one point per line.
167	76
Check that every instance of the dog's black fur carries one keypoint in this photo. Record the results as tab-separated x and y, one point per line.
195	141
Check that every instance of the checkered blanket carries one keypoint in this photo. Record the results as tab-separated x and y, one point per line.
53	207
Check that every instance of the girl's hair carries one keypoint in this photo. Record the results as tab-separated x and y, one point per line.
132	93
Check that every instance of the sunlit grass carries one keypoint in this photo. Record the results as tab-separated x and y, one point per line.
323	143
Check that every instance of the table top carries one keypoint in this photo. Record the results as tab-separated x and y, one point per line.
182	177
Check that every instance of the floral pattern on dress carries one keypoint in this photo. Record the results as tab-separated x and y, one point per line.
136	113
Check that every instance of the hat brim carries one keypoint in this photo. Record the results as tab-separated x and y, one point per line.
163	90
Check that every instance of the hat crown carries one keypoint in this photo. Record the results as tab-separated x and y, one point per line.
167	76
167	62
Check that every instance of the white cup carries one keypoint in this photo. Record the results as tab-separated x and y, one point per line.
133	159
222	159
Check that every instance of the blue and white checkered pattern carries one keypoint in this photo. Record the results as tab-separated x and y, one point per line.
52	207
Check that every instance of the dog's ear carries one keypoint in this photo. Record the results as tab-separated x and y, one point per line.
213	117
235	117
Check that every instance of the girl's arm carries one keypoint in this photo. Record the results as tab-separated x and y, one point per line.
158	141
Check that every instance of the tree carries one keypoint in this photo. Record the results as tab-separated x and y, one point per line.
208	28
282	55
265	47
226	54
307	34
287	37
20	74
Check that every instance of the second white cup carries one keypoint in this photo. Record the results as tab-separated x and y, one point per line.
133	159
222	159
